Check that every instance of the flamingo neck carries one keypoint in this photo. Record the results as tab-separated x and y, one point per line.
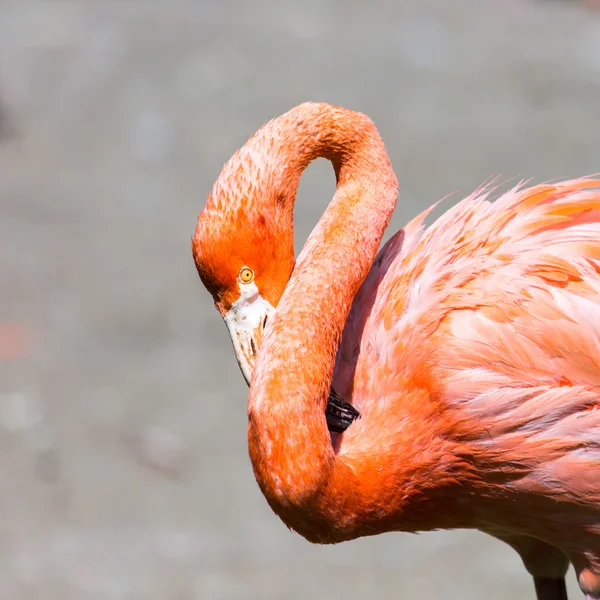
289	442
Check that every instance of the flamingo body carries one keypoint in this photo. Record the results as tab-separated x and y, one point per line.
470	349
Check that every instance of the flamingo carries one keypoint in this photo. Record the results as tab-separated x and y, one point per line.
450	380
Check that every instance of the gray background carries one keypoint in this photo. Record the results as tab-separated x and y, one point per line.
124	470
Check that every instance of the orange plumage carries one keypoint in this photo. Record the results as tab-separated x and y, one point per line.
471	349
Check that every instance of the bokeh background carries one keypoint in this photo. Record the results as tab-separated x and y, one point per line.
123	465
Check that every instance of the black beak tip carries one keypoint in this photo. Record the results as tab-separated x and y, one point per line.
339	413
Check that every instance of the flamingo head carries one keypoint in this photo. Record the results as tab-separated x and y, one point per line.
244	256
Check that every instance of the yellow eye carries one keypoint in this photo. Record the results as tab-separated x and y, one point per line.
246	275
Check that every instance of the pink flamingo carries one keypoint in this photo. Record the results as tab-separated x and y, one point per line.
450	381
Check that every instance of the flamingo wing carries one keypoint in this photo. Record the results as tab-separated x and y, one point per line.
396	249
499	305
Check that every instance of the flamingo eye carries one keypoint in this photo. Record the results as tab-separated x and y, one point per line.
246	275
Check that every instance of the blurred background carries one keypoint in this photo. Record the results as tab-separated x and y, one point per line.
123	460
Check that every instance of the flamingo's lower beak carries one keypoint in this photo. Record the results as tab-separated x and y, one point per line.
246	320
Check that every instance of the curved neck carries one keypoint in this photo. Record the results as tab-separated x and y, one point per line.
289	442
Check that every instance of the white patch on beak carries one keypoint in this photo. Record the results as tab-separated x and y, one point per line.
245	321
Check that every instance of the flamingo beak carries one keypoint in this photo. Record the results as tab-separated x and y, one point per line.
246	320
